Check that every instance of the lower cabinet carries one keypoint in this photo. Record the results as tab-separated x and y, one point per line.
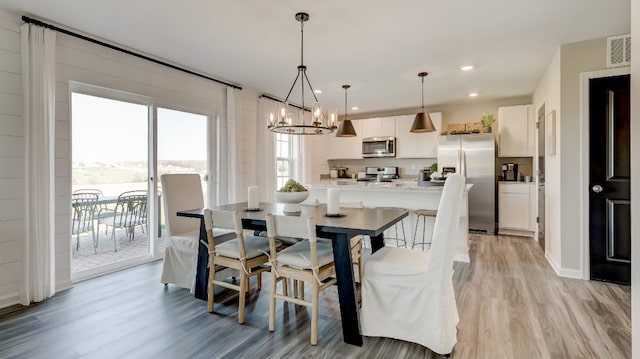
516	208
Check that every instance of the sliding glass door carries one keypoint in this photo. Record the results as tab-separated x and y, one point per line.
109	163
117	147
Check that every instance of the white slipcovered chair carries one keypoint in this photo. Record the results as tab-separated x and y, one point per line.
409	294
181	192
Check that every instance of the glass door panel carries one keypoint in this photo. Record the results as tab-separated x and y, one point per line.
109	158
182	148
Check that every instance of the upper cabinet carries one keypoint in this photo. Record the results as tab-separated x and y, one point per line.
341	148
417	145
516	127
378	127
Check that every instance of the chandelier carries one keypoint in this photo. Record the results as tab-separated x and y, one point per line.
283	121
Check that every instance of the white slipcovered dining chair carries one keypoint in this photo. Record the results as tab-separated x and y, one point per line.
182	192
409	294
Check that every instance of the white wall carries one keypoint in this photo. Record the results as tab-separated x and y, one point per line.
560	89
635	177
548	93
87	63
11	160
575	58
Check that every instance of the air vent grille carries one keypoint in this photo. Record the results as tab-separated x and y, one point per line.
619	50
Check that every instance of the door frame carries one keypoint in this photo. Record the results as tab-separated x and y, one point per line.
536	171
584	158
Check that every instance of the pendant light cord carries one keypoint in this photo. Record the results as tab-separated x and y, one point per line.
345	104
422	93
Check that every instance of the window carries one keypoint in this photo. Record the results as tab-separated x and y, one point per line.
284	159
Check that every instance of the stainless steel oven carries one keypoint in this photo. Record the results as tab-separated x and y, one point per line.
379	147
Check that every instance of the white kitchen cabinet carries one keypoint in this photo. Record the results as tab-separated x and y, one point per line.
341	148
417	145
517	208
378	127
516	127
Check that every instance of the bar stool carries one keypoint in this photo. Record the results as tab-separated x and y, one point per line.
423	213
395	228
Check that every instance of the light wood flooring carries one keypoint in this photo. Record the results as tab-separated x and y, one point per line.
511	305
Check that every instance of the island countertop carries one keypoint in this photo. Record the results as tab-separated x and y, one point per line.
398	185
400	193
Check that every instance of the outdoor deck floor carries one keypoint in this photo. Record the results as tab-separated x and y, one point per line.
86	259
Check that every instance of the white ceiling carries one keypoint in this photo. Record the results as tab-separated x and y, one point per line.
377	46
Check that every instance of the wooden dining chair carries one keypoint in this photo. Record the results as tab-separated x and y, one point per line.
409	294
247	254
308	261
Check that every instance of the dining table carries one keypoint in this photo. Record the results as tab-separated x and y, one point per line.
348	223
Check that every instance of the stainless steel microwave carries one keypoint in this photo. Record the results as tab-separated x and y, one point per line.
379	147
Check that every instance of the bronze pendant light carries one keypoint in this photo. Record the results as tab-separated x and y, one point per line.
423	122
345	129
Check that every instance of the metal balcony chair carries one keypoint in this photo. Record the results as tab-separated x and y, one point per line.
83	208
130	211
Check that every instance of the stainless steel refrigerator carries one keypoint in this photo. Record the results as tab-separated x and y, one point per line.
473	155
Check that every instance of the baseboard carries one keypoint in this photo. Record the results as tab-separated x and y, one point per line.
62	286
563	272
9	300
459	257
515	232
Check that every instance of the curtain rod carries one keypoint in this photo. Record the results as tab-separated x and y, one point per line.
282	101
128	52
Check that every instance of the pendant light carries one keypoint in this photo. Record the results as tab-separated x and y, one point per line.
282	121
346	129
423	122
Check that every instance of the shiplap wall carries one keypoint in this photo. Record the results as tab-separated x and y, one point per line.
87	63
11	160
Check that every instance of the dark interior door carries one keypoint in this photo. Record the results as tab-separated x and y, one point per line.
609	182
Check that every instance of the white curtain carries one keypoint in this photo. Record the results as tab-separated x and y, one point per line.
38	78
265	152
230	180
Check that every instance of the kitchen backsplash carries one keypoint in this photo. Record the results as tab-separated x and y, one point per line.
410	167
407	167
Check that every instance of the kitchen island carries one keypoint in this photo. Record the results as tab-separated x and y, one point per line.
403	194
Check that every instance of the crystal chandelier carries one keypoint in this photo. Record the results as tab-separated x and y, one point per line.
282	121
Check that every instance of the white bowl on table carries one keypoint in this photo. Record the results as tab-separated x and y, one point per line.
291	200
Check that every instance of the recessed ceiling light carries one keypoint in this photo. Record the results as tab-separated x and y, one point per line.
355	108
473	94
317	91
466	68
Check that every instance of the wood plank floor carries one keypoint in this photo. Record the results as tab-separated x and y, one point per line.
511	305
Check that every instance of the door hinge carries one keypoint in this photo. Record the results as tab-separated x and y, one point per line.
537	219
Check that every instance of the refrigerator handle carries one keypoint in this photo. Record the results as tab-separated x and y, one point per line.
463	161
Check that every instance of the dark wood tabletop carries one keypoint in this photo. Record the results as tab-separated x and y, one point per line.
366	221
354	221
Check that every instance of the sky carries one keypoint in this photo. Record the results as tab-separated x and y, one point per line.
110	131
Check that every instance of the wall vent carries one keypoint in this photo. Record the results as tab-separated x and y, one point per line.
619	50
